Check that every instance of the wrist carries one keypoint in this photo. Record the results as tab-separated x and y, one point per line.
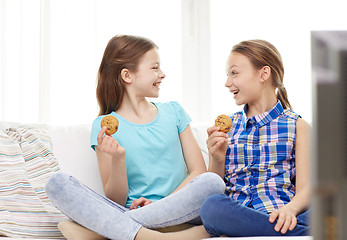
118	158
220	160
293	209
215	164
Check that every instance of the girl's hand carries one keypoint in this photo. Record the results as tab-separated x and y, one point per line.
217	143
139	203
109	145
286	219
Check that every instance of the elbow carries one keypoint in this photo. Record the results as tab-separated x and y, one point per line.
197	172
200	170
118	200
122	200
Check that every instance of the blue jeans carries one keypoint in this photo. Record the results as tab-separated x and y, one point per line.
114	221
221	215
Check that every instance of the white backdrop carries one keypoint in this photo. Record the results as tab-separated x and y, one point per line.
287	25
51	50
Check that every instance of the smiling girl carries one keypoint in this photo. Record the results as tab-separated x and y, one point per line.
152	168
264	158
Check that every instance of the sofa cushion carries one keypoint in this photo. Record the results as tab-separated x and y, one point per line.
26	163
71	147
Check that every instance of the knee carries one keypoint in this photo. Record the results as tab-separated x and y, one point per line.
55	184
213	182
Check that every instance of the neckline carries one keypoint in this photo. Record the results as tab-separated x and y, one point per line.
265	117
136	124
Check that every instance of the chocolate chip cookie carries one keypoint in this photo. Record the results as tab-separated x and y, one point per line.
223	122
111	123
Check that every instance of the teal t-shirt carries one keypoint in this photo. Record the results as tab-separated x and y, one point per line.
154	157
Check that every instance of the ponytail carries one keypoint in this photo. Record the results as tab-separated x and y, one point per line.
283	97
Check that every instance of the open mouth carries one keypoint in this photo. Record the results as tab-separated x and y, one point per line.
235	92
156	84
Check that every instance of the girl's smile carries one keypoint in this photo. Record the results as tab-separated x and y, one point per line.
234	92
157	84
149	76
243	80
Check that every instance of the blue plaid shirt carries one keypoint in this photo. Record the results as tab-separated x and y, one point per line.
260	159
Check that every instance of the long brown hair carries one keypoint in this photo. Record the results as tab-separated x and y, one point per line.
262	53
122	51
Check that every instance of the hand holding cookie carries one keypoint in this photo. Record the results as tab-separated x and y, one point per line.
107	143
111	123
223	122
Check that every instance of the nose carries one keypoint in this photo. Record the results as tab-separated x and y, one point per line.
162	74
228	83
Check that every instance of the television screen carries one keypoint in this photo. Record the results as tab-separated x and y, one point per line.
329	148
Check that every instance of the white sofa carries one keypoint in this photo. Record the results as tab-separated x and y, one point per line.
71	146
72	150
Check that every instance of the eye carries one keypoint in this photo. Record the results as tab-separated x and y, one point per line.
232	73
156	67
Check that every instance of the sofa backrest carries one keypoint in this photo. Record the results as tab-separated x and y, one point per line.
71	147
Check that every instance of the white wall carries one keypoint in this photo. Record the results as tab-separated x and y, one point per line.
51	50
287	25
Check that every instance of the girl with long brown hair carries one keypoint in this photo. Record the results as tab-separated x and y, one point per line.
152	169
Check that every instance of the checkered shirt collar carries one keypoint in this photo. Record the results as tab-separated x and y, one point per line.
263	118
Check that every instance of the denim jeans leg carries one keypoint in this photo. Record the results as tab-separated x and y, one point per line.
222	215
181	206
90	209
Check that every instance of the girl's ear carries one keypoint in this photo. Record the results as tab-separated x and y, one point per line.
265	73
126	76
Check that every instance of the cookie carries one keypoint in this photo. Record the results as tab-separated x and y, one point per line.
223	122
111	123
